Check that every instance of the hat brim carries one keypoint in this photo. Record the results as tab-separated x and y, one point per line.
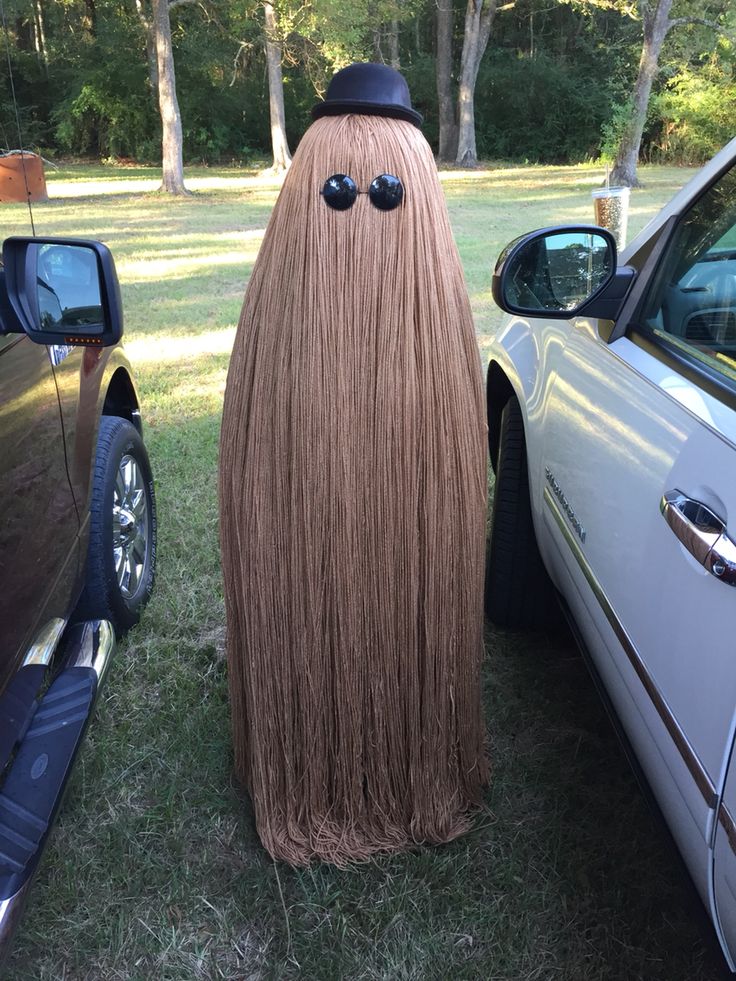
341	107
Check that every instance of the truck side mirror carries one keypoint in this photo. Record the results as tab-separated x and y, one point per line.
61	291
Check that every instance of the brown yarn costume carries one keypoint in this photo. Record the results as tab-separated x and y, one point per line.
352	496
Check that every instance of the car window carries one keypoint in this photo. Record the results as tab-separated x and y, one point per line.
693	300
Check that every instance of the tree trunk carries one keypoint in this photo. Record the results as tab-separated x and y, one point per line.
393	44
24	34
173	167
448	127
36	37
89	18
389	34
281	154
377	52
478	20
656	25
152	59
151	56
42	33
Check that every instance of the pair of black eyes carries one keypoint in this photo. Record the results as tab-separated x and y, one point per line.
340	191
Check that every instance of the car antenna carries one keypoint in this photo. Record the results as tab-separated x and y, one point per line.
17	117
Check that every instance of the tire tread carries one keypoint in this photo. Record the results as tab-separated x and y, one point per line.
97	599
518	593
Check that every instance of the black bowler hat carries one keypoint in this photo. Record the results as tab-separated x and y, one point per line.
371	89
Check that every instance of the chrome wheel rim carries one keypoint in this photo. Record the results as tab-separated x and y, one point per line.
130	526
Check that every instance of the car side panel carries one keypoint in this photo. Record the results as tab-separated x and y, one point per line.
543	394
616	439
79	372
40	527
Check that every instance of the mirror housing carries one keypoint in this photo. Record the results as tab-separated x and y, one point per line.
560	273
61	291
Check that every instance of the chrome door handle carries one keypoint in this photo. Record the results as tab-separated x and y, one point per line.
702	533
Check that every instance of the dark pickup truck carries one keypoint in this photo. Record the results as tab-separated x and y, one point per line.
78	527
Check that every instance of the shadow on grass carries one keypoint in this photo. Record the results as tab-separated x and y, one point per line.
618	900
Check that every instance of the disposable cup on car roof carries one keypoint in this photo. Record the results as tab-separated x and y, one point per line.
611	208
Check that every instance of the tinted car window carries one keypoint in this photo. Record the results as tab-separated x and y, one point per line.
693	302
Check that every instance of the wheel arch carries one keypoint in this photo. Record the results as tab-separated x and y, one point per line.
498	391
121	398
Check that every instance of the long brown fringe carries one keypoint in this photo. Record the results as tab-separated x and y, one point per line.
352	495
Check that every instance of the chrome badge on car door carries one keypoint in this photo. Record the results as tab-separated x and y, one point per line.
564	504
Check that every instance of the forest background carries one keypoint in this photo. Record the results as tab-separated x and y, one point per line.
556	81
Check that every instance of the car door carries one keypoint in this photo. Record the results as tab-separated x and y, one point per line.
78	372
70	278
639	463
39	527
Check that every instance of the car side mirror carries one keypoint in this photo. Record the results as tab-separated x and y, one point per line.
61	291
560	273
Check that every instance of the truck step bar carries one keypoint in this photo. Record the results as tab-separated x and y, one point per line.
35	780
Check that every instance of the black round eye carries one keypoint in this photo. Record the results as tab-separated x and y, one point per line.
386	192
339	192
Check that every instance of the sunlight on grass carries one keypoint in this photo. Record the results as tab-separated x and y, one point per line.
78	188
61	187
177	268
169	347
194	243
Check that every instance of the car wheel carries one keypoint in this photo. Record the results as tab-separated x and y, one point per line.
518	591
121	556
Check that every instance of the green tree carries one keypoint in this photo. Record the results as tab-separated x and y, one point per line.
657	23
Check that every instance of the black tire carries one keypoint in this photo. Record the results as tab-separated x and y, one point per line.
518	592
108	595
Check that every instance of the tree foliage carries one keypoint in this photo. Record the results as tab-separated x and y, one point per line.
552	86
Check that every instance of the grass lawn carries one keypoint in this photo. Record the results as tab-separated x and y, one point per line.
154	869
